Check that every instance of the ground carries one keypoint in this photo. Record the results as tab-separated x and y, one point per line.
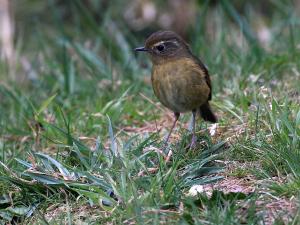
82	134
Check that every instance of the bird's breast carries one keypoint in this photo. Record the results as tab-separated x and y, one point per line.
180	85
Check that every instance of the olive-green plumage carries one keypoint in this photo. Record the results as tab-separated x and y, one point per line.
179	79
177	92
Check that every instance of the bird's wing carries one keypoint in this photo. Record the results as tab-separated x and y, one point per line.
195	85
206	74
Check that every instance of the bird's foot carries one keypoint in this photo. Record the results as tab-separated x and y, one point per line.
165	152
150	170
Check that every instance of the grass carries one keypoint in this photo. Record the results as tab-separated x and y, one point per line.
81	131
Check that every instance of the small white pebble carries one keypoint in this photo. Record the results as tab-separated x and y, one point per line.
196	189
212	129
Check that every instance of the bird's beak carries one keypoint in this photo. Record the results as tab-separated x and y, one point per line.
141	49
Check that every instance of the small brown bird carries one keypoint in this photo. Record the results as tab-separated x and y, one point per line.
179	79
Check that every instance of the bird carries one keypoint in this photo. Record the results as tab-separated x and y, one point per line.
180	80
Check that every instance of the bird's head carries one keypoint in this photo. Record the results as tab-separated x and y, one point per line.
165	45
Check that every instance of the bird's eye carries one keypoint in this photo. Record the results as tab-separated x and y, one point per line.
160	47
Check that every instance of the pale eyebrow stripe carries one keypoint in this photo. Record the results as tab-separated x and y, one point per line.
174	41
158	43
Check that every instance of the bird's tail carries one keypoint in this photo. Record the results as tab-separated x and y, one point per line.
207	114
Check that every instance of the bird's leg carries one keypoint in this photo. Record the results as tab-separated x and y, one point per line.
176	117
194	139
